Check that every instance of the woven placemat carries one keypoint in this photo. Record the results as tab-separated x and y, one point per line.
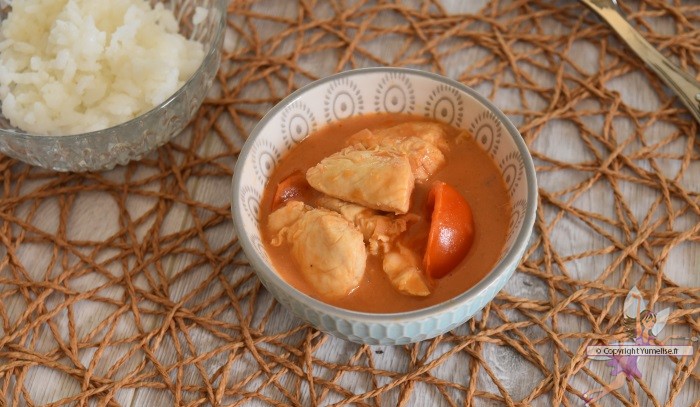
128	287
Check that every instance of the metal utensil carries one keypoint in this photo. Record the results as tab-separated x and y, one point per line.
682	83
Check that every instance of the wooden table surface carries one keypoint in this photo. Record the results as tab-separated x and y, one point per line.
94	217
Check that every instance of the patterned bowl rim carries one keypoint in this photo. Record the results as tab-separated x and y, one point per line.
212	53
503	269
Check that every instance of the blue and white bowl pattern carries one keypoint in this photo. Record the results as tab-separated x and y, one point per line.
395	94
375	90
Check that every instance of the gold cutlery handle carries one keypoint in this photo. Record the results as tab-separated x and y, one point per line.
682	83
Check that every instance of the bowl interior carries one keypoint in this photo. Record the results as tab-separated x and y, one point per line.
368	91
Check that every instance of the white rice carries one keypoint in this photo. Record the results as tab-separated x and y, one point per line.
73	66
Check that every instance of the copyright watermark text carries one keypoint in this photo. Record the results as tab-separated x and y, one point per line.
639	350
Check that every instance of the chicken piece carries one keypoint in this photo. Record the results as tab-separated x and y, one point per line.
378	230
285	217
431	132
329	249
401	266
424	156
374	178
381	231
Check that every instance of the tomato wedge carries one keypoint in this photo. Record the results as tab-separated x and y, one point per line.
293	188
451	231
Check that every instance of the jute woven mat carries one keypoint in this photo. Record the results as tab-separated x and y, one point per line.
128	287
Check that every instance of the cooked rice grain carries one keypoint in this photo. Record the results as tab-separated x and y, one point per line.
73	66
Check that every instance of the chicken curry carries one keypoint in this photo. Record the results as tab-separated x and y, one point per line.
385	213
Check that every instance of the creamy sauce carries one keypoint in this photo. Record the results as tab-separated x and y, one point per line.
468	168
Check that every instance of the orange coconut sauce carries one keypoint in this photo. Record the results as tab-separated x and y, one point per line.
467	168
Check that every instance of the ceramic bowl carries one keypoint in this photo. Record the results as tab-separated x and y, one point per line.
131	140
393	90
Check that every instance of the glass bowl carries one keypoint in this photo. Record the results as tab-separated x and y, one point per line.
131	140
